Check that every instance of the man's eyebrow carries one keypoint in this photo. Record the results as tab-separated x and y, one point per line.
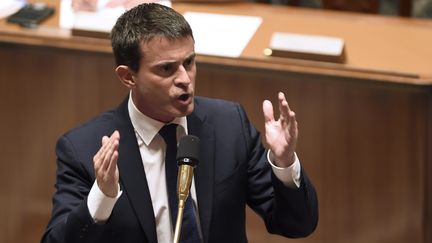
167	62
192	55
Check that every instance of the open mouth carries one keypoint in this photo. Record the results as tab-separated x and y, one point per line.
184	97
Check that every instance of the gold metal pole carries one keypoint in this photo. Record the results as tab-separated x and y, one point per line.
179	221
184	181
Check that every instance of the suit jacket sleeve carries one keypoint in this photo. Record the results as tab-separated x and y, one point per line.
290	212
71	220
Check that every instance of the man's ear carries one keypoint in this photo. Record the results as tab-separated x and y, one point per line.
126	76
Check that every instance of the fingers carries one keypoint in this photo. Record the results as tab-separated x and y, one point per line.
109	145
110	150
284	108
101	152
112	165
281	134
293	126
105	164
286	114
287	118
268	111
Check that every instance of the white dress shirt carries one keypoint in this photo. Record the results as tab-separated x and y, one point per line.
152	148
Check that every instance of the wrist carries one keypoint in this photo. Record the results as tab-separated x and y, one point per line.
110	190
283	161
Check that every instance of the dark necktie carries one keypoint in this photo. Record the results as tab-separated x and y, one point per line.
189	231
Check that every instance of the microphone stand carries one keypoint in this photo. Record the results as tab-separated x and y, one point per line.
184	181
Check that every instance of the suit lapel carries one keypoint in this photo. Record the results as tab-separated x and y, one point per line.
132	175
204	172
134	181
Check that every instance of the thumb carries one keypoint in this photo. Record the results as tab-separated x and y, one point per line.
268	111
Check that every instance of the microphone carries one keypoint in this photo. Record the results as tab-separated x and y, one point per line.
187	160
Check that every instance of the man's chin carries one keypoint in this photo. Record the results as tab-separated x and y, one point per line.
184	109
189	109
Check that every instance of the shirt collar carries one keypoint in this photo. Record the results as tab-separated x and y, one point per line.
147	128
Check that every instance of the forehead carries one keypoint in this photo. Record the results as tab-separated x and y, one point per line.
161	48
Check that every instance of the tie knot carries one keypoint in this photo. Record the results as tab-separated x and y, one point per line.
169	133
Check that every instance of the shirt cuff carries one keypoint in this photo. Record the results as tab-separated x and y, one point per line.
100	206
290	176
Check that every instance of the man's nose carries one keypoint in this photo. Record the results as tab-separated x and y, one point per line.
182	76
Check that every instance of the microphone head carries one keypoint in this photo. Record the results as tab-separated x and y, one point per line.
188	150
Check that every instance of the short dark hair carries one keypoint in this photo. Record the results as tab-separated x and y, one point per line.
141	24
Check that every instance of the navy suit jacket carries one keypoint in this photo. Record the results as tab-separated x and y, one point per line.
233	173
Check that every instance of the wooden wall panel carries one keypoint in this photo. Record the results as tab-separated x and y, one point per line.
361	142
44	93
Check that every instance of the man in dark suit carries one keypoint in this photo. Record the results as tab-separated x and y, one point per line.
117	191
